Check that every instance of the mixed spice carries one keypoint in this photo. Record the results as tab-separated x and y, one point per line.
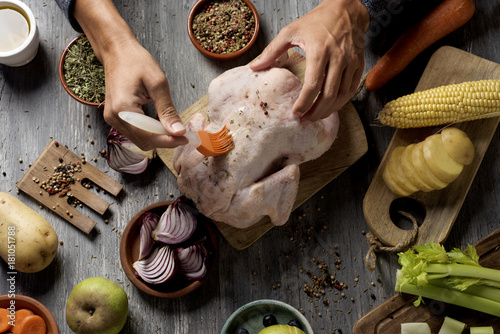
83	72
224	26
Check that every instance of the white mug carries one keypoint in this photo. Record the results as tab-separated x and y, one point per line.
25	52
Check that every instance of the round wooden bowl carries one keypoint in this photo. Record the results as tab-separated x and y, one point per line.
63	81
38	308
177	286
222	57
250	316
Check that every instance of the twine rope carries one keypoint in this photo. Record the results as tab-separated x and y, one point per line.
377	246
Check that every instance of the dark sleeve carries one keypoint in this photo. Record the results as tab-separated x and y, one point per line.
375	6
67	8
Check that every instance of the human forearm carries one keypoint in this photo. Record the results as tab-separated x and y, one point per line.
102	24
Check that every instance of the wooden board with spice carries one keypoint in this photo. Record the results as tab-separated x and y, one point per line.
350	145
388	316
58	176
447	65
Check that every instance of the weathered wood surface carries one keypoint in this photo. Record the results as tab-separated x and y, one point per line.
34	108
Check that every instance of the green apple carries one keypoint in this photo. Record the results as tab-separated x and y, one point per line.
97	306
281	329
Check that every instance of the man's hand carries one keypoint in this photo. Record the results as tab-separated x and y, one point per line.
332	36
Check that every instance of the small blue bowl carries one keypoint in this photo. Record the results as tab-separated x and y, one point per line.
250	316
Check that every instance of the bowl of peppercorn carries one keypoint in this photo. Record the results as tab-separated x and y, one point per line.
223	29
81	73
266	316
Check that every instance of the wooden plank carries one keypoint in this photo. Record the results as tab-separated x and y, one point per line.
448	65
349	146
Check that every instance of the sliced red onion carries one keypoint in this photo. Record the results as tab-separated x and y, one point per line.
148	223
124	156
192	261
158	268
177	224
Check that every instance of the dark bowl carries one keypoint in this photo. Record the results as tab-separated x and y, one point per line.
223	57
177	286
35	306
249	316
63	81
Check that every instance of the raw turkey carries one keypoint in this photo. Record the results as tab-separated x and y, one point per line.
260	176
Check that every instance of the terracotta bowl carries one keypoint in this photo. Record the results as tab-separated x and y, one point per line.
250	316
177	286
223	57
35	306
63	81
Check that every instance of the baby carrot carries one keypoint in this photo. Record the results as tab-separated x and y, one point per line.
448	16
21	314
32	324
5	324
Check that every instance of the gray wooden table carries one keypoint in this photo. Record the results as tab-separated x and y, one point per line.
34	108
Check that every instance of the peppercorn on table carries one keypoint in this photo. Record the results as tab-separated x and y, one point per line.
315	262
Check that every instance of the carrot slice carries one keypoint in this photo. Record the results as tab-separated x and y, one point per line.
448	16
21	314
5	323
32	324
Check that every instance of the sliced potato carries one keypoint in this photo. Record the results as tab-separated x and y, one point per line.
458	145
392	185
423	170
410	171
396	170
439	161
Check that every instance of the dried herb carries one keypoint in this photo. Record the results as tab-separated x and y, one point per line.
83	72
224	26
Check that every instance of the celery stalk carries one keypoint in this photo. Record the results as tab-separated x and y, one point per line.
415	328
461	270
454	277
452	326
451	297
482	330
483	291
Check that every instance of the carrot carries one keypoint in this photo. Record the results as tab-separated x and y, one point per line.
5	323
32	324
21	314
448	16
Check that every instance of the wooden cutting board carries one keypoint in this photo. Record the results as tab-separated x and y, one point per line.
447	65
349	146
388	316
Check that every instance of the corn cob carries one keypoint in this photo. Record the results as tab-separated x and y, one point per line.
443	105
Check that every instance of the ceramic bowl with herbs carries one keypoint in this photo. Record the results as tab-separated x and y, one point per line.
223	29
168	250
81	73
24	302
267	316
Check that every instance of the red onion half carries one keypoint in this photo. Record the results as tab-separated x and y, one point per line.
124	156
192	261
149	221
158	268
176	225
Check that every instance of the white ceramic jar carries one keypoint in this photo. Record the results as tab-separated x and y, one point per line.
27	50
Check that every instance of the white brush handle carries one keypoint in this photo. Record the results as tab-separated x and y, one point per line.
143	122
152	125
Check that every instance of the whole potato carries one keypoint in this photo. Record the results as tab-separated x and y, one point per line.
27	240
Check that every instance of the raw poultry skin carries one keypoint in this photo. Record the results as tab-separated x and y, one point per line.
260	176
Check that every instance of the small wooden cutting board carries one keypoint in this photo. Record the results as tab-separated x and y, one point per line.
349	146
448	65
52	156
388	316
